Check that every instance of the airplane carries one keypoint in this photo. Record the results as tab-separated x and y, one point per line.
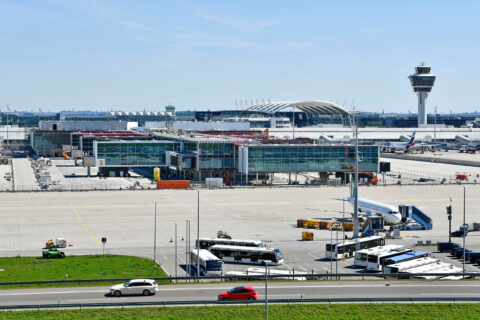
400	146
468	149
390	214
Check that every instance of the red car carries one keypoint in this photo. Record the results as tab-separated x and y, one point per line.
239	293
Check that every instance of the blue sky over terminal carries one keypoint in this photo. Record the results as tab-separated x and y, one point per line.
134	55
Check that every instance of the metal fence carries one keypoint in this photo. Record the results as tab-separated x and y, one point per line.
226	278
216	302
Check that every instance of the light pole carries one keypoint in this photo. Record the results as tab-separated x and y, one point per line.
187	247
176	256
198	234
266	291
155	236
435	126
355	191
464	229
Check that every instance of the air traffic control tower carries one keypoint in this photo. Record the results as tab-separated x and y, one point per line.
422	82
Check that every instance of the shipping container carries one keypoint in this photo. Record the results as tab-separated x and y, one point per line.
348	226
300	223
173	184
312	224
324	224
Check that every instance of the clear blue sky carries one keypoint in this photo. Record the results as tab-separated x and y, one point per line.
135	55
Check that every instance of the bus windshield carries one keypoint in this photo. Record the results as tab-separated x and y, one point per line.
278	253
214	265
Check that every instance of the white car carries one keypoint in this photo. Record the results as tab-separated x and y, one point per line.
144	287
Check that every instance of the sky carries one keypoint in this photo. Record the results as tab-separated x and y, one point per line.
210	55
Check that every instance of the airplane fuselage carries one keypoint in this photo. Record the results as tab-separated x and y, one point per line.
390	213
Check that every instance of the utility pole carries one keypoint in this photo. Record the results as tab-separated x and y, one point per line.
336	253
435	126
187	247
155	236
198	233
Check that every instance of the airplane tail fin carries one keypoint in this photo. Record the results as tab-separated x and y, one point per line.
412	140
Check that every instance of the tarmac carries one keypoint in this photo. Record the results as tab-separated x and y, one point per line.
126	219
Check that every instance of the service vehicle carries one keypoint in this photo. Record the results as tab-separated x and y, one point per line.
249	255
206	243
446	246
361	255
375	261
346	249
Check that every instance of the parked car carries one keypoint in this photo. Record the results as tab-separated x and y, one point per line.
144	287
239	293
446	246
459	253
472	256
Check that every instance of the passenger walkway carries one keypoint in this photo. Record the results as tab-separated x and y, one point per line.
23	175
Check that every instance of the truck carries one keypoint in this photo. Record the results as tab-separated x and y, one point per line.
52	252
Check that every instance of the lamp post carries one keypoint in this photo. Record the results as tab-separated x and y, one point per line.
464	229
198	233
155	236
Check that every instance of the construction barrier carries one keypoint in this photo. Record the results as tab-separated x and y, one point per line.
173	184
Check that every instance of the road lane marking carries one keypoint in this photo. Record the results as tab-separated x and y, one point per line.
84	225
90	207
54	207
287	202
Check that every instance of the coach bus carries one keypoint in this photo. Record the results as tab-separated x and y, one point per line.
210	265
249	255
404	257
346	249
206	243
361	255
375	261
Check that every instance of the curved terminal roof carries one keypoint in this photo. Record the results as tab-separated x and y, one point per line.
321	108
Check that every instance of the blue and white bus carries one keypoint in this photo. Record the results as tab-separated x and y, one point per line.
210	265
404	257
248	255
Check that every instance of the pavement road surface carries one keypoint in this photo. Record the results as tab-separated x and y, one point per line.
277	290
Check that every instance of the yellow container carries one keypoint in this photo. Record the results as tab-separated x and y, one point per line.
324	225
156	174
348	226
308	236
312	224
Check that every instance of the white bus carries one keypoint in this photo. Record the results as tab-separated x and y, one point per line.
210	265
438	267
361	255
402	266
206	243
375	260
347	248
251	255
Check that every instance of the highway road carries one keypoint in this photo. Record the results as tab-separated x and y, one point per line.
278	290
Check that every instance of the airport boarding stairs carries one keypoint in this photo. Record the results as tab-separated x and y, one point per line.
372	226
415	219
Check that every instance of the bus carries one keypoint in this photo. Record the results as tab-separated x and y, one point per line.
210	265
361	255
405	265
437	267
375	261
404	257
250	255
345	249
206	243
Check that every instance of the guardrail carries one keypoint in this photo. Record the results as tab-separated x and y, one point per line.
256	277
431	159
216	302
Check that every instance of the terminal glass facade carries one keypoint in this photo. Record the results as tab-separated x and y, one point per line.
134	153
216	156
311	158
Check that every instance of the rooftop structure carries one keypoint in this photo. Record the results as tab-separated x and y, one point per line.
422	82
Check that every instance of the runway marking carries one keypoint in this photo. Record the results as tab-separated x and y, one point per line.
319	202
84	225
287	202
89	206
54	207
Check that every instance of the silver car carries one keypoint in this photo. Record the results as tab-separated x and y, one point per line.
144	287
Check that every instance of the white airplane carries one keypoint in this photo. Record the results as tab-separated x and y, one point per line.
401	146
390	213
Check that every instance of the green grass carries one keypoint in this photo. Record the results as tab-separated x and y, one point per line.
297	312
77	267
